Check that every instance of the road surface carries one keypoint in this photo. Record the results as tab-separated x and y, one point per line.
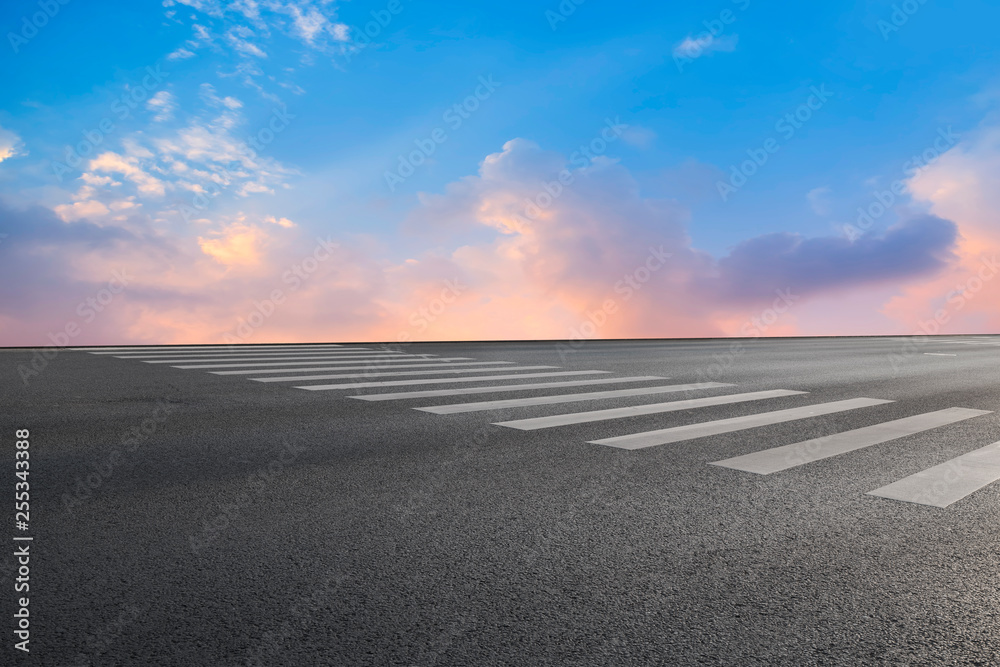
757	502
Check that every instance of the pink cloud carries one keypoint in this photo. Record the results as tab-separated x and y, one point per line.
574	250
966	297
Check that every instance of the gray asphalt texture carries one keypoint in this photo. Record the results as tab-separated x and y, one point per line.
261	524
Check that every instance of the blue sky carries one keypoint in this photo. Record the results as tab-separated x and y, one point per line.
694	104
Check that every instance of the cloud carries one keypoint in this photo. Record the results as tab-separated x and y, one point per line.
705	44
309	24
544	262
638	136
564	258
237	244
180	54
115	163
959	186
91	179
757	268
178	289
819	200
281	222
202	155
248	26
162	104
239	38
81	209
10	145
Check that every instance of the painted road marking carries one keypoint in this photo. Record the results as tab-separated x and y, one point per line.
434	393
376	364
455	408
790	456
693	431
939	354
297	362
949	482
486	378
635	410
220	348
271	357
434	371
967	342
237	355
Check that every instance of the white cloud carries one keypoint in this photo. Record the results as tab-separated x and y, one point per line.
282	222
695	47
208	94
239	38
309	24
181	54
638	136
819	200
162	104
88	208
10	145
112	162
91	179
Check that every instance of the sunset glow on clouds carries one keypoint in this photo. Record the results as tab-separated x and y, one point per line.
244	201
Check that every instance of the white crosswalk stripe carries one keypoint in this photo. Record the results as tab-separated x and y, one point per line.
776	459
433	371
365	368
948	482
703	429
495	389
616	413
211	348
310	361
455	408
371	365
270	357
253	355
968	342
402	383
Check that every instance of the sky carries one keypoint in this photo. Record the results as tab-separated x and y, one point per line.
200	171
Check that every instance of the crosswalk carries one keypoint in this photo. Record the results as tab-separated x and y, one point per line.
355	368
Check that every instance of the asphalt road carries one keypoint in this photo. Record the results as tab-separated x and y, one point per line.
183	517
